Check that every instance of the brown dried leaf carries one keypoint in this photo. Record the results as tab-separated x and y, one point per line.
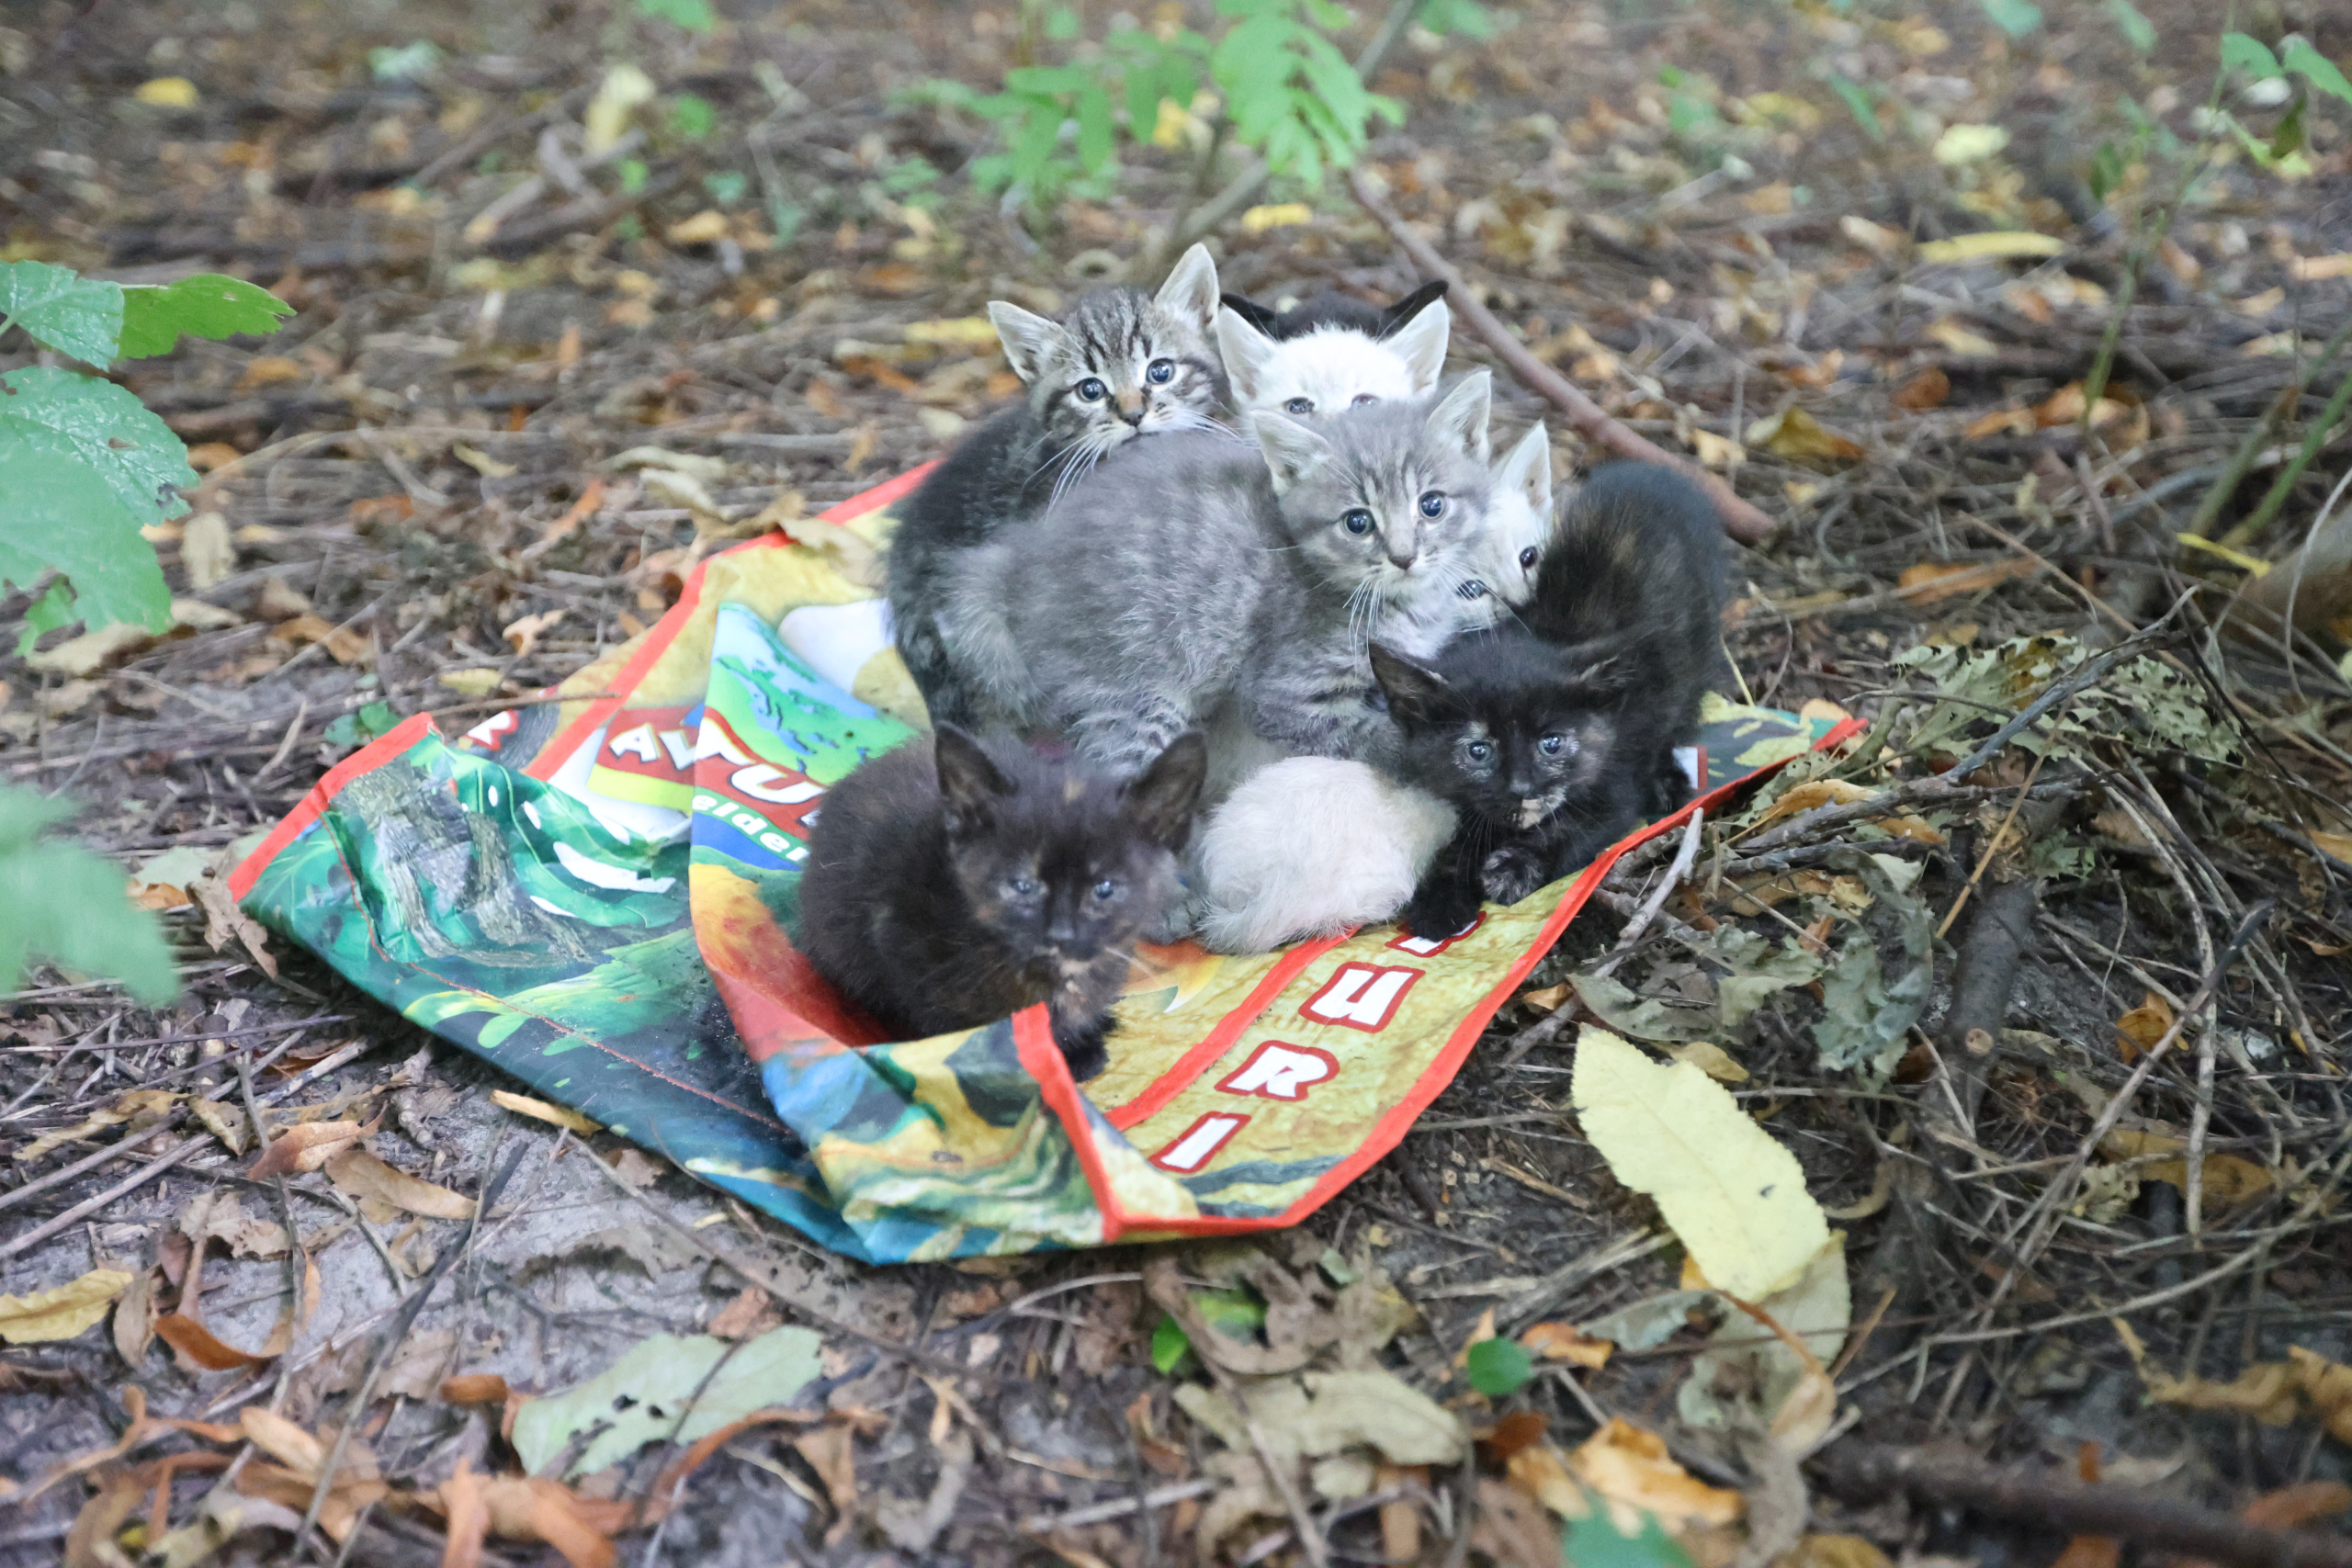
223	918
522	635
1926	389
1626	1464
1930	580
63	1313
140	1108
829	1453
306	1147
466	1517
134	1317
751	1313
1566	1342
474	1387
344	645
561	1117
2139	1030
1798	437
362	1175
276	602
2291	1507
198	1344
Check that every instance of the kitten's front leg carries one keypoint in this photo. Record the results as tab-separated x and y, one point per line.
1448	898
1125	731
1081	1044
1512	872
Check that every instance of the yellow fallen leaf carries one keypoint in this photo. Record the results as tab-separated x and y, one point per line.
2138	1030
1876	238
1930	580
344	645
1816	793
140	1105
624	88
954	332
2336	846
2253	566
1711	1060
1795	434
1996	245
706	227
1951	335
1835	1551
2267	1391
2226	1179
1277	215
1631	1467
469	682
481	462
525	1105
1967	144
61	1314
2318	270
2328	1385
1735	1197
523	634
1717	451
1564	1342
167	93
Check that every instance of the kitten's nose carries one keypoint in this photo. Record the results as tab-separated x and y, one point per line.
1131	407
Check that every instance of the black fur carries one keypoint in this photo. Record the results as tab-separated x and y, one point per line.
1332	309
1607	668
954	882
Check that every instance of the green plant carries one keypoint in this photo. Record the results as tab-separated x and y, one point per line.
695	15
1496	1367
62	904
84	464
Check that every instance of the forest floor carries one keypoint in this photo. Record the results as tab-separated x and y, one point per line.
2109	1113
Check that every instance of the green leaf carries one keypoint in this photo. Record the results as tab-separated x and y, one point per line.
666	1388
1046	79
2107	170
2015	17
403	63
209	304
358	729
60	308
726	185
634	175
2287	140
1062	24
2317	69
1093	127
1496	1367
86	466
2251	55
2138	31
695	15
1593	1543
1857	103
50	611
59	904
1465	17
1328	16
1170	1345
692	117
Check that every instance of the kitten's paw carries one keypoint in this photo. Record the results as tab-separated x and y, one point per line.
1510	873
1182	917
1436	913
1083	1049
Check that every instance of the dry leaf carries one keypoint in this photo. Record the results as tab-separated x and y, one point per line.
466	1517
1628	1465
1998	246
201	1346
2291	1507
474	1387
1880	241
2139	1030
1835	1551
1711	1060
2318	270
141	1108
207	551
268	370
827	1451
168	92
1717	451
1797	435
706	227
362	1175
1928	389
1931	581
134	1317
91	651
525	1105
751	1313
61	1313
276	602
306	1147
1566	1342
343	645
2267	1391
1954	338
1816	793
522	635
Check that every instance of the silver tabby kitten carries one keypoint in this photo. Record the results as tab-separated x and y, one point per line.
1119	364
1190	581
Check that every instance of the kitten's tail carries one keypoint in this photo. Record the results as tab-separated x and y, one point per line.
976	632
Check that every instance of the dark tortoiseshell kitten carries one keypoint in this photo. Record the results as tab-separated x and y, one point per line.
1119	364
954	882
1552	738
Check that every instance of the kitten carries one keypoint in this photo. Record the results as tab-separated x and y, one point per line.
1309	847
1119	364
954	882
1186	576
1332	351
1554	737
1519	525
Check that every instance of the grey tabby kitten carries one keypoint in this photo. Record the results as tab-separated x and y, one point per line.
1192	584
1119	364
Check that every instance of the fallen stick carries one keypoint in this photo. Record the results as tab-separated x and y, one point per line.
2048	1502
1742	521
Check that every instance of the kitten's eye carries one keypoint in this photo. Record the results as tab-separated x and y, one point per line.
1357	521
1362	399
1553	745
1478	751
1023	888
1092	391
1160	372
1106	891
1299	405
1527	558
1432	504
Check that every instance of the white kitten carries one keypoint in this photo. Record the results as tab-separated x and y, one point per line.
1309	847
1331	367
1520	518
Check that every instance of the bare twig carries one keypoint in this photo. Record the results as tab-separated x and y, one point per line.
1745	523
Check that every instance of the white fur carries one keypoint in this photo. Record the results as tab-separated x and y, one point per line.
1520	518
1311	846
1332	367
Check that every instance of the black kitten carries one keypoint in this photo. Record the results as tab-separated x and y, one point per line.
1554	737
1332	309
1119	364
954	882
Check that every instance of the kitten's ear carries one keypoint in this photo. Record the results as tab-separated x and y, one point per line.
1527	468
1245	350
1412	688
1411	305
969	782
1460	417
1191	290
1290	448
1259	316
1029	340
1420	343
1163	798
